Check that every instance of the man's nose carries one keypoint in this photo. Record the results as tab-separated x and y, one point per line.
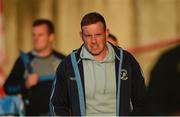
93	38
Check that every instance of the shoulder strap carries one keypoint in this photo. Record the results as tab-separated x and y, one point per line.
26	61
79	84
119	82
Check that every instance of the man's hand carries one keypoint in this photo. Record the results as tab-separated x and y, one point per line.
32	80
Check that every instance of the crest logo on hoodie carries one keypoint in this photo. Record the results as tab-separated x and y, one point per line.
124	74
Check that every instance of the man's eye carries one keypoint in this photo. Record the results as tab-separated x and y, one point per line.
88	35
98	34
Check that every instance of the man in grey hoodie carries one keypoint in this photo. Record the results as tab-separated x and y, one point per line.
98	78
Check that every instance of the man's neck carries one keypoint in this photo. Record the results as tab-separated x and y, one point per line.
44	53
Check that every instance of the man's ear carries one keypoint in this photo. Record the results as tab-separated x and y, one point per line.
107	34
81	35
51	37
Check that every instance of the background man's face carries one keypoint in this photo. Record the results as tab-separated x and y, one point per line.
41	38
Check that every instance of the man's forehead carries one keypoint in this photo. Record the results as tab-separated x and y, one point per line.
96	26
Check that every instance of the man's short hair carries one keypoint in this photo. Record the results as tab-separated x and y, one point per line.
92	18
49	24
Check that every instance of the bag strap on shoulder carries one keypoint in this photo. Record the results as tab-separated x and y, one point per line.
26	61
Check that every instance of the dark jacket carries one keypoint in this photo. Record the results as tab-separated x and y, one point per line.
37	98
65	101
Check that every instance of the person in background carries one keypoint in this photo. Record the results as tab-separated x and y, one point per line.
98	78
33	72
112	39
163	95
